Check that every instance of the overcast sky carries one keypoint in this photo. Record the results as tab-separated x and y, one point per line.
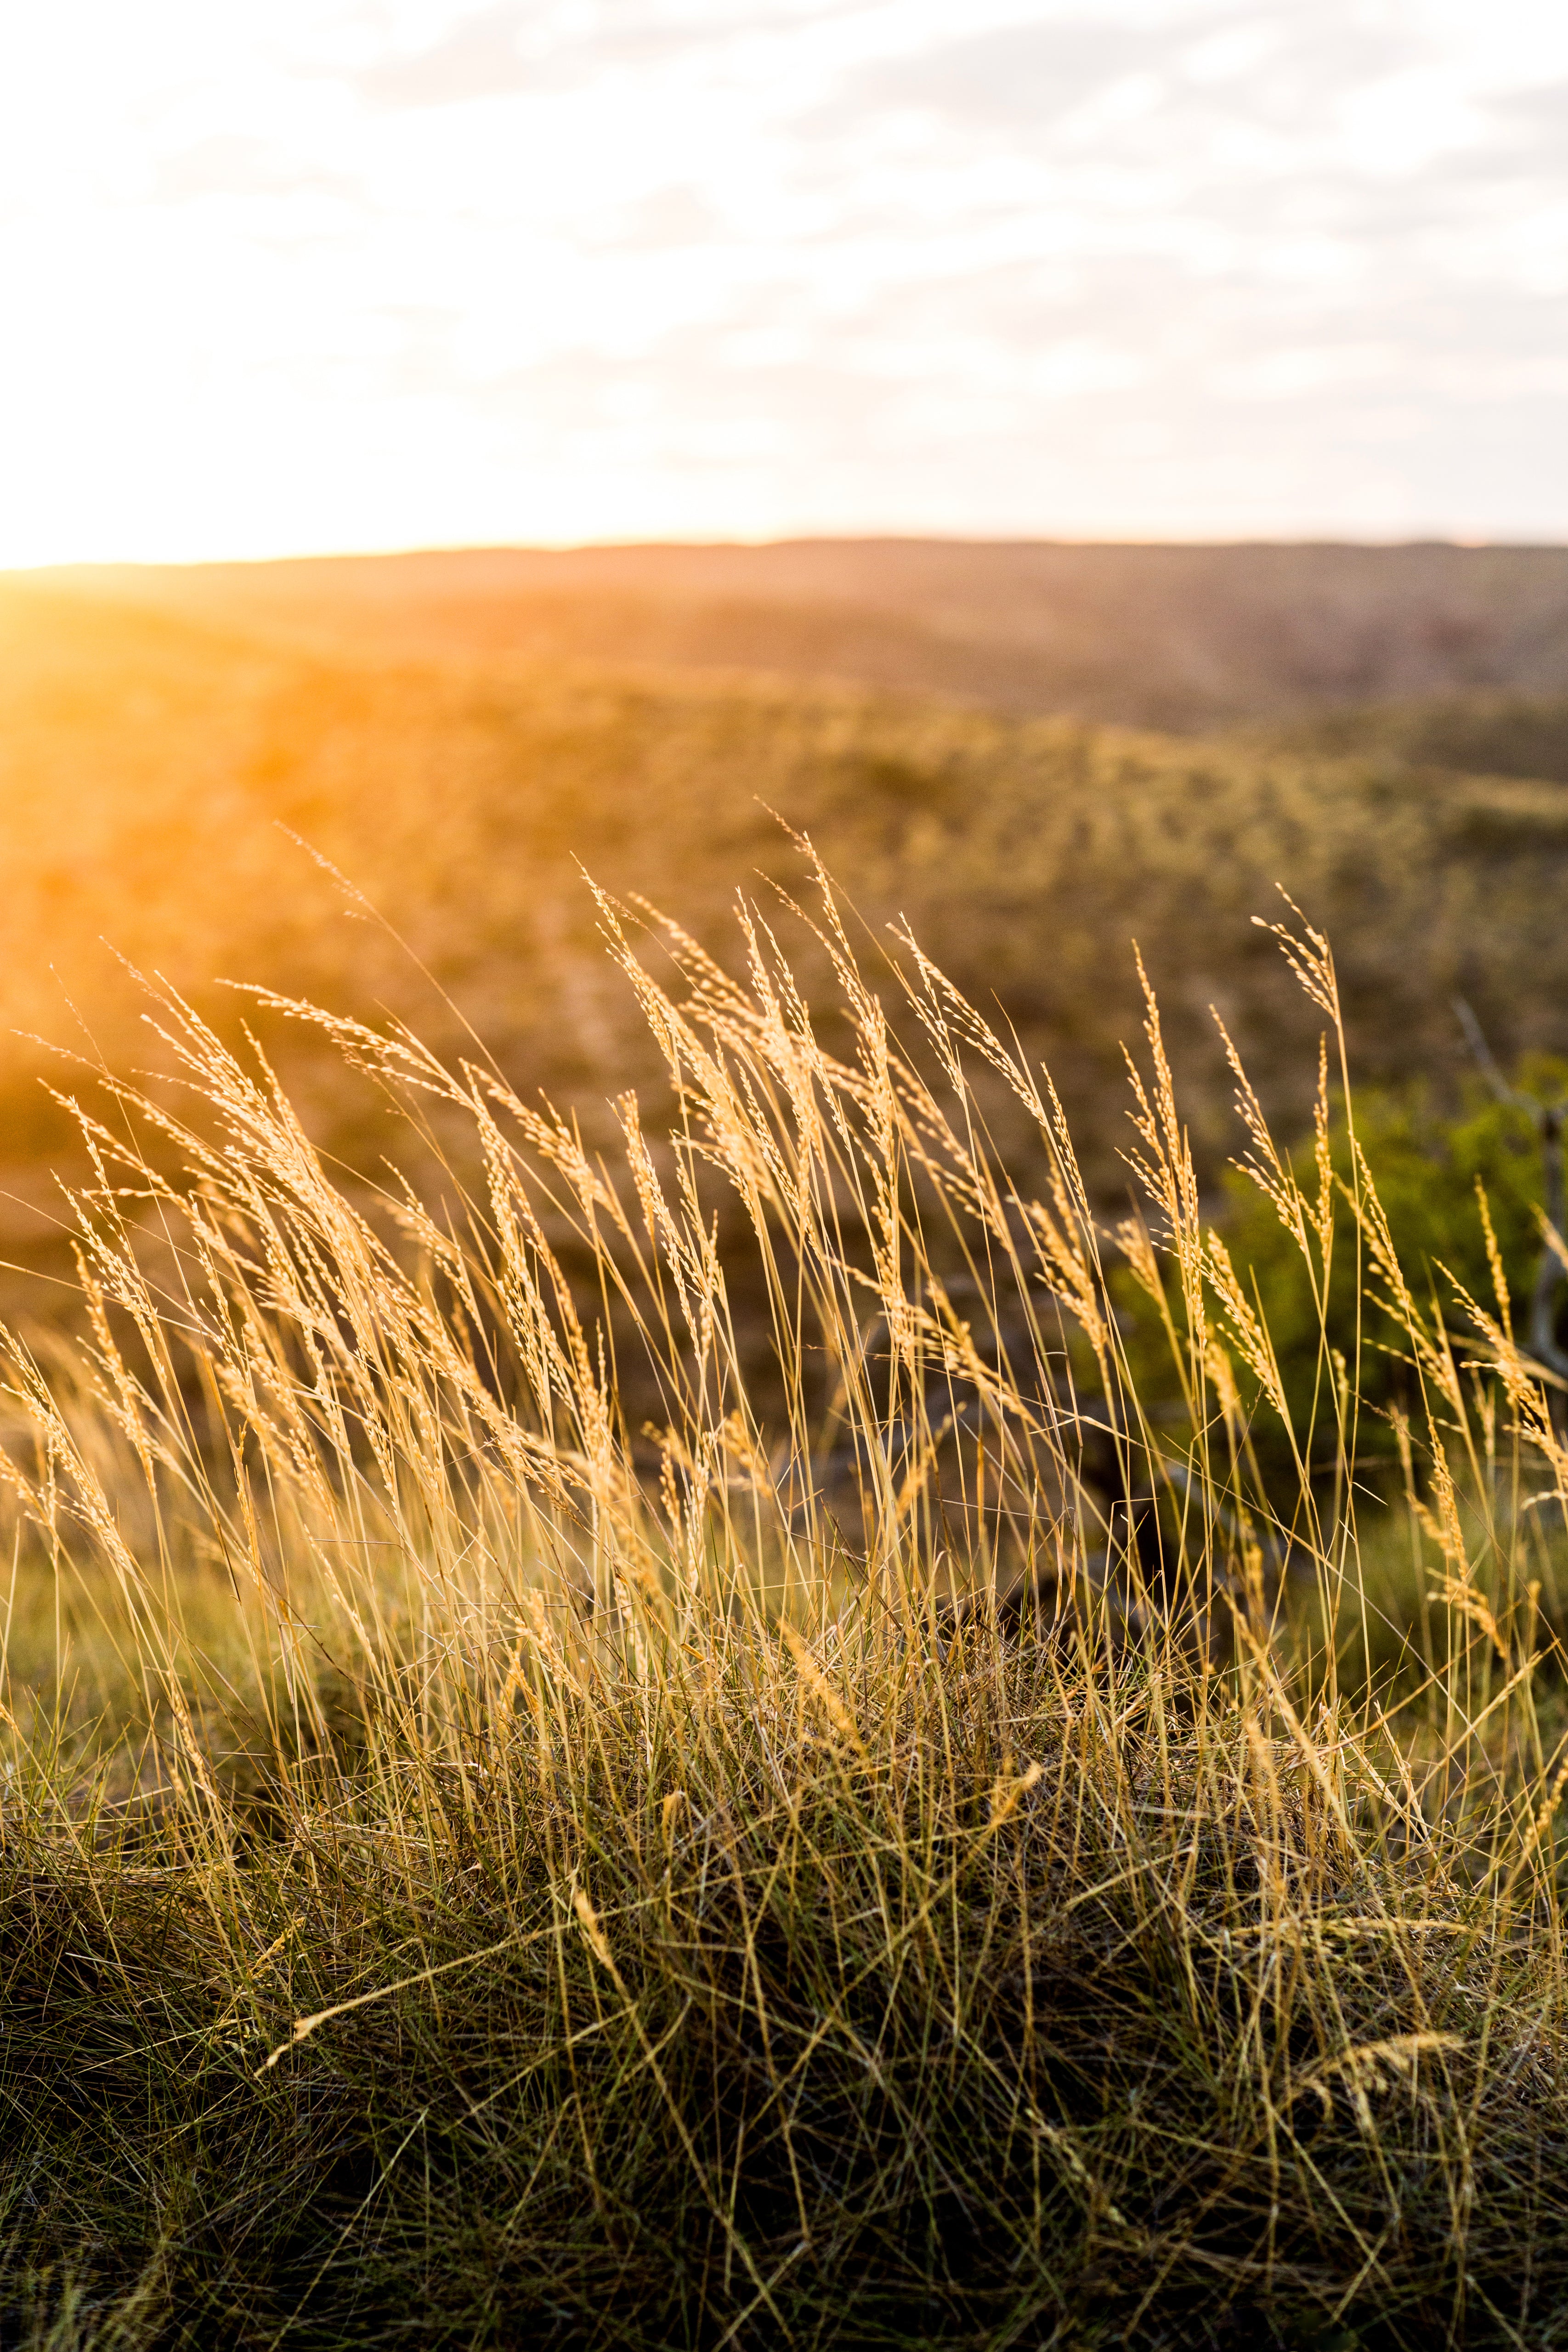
283	275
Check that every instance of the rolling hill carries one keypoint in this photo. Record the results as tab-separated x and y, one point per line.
169	784
1185	637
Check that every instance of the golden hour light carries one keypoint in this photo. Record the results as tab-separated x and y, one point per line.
350	275
784	1220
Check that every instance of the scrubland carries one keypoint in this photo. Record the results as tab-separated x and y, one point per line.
920	1829
167	782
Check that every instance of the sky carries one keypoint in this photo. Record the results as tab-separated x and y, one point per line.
294	276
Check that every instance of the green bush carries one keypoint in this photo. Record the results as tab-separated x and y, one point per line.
1428	1170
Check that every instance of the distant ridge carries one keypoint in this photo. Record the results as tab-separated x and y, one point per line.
1177	636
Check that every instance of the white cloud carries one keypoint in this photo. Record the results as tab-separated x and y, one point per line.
369	272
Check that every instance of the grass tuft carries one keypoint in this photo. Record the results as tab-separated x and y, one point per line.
693	1752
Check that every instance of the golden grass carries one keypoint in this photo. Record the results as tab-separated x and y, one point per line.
540	1806
159	772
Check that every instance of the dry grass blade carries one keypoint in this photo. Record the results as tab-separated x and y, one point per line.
829	1785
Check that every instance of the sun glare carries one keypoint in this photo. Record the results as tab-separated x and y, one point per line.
371	275
687	1653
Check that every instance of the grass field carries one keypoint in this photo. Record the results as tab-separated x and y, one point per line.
540	1809
162	770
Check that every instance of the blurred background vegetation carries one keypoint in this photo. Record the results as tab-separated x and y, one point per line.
967	735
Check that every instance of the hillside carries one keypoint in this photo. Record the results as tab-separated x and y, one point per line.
153	770
1184	637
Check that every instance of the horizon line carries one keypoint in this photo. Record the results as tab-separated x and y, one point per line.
1461	542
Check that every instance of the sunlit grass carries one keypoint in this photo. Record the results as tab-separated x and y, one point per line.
676	1751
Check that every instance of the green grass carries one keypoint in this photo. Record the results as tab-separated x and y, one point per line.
534	1814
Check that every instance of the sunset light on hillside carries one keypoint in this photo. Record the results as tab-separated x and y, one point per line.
784	1176
361	273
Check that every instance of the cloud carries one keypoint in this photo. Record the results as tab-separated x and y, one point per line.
1278	67
1014	77
479	56
232	164
758	265
514	49
669	219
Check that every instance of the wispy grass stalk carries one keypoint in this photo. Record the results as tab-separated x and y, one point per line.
693	1752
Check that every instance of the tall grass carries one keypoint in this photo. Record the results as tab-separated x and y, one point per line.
694	1752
